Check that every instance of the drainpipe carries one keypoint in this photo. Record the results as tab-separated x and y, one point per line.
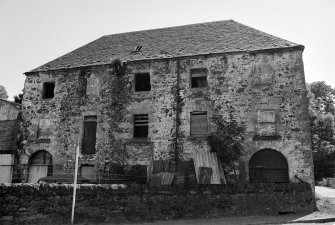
178	109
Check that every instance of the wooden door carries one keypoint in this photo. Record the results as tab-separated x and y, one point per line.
268	166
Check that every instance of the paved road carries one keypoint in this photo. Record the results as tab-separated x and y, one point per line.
325	192
250	220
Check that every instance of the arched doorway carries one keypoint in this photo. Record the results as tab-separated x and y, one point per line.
268	166
40	165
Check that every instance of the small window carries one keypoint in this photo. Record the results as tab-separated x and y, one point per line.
89	137
48	90
138	48
199	127
142	82
198	78
141	125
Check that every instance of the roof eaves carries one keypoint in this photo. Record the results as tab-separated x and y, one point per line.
297	47
37	68
17	105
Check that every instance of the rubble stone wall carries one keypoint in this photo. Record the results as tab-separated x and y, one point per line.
267	88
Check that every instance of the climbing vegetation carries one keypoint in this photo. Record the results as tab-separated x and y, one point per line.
227	141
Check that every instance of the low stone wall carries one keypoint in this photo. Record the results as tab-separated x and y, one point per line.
26	204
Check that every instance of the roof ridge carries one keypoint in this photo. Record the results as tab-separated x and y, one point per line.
166	28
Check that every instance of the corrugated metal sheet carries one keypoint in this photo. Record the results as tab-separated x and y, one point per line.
207	159
167	178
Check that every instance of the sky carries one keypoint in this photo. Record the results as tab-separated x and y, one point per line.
34	32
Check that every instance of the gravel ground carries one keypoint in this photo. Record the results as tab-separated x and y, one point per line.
325	200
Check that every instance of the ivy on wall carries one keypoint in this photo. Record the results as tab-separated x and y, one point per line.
116	97
227	140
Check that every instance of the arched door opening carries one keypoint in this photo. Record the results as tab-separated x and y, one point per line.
268	166
40	165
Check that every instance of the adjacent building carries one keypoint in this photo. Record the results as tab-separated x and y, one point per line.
9	131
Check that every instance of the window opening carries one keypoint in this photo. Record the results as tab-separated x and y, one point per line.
141	128
48	90
89	137
142	82
198	78
199	126
42	159
138	48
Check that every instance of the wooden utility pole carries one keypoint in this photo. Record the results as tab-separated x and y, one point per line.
75	184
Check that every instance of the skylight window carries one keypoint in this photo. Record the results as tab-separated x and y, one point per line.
138	48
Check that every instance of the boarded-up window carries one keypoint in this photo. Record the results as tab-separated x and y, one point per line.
89	138
48	90
92	86
88	172
141	125
266	126
142	82
44	128
199	127
198	78
266	116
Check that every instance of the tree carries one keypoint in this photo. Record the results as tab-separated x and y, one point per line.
3	93
227	140
324	95
18	98
322	112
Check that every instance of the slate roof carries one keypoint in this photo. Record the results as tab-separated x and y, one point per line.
16	105
195	39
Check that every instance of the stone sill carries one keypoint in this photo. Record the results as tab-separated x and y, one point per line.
140	140
204	138
204	89
47	99
142	92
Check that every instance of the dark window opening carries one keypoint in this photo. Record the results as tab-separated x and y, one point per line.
198	78
142	82
199	127
138	48
89	137
141	128
84	74
48	90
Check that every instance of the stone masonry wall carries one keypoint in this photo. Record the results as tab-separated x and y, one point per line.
267	89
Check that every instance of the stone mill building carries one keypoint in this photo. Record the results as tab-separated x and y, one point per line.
143	97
